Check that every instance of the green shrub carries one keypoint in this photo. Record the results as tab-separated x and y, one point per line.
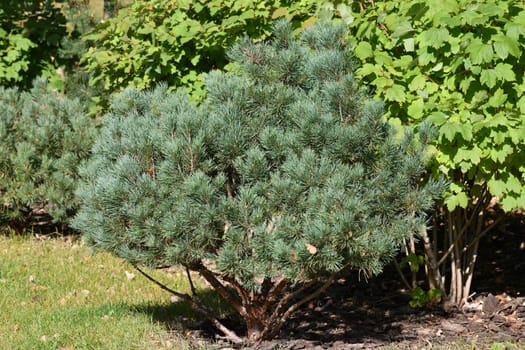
174	41
43	138
30	36
460	64
283	177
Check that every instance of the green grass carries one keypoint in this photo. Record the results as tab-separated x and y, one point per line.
55	294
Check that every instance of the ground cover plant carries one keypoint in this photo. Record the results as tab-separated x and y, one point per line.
282	178
459	64
55	294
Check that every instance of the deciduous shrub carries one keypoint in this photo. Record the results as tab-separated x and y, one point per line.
43	138
174	41
30	36
282	178
459	64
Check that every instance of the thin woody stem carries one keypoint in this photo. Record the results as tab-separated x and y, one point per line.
192	287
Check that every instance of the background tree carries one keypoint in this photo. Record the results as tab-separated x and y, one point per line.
283	177
459	64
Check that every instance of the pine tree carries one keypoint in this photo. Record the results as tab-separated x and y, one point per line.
43	138
283	178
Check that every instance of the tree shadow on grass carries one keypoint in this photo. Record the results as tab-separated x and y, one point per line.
179	315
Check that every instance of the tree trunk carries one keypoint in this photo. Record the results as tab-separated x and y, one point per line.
255	327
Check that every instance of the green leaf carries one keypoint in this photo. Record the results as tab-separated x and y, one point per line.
418	83
103	57
488	77
514	184
449	130
456	200
490	10
280	12
402	28
382	82
363	50
514	30
496	187
437	67
435	37
472	18
367	69
416	108
509	203
521	104
465	130
505	71
498	99
505	45
409	44
425	58
382	58
438	118
345	12
395	93
475	155
450	21
403	62
500	155
480	52
465	83
195	59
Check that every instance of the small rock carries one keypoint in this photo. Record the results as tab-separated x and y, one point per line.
490	304
452	327
338	345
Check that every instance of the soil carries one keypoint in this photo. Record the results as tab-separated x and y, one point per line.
374	314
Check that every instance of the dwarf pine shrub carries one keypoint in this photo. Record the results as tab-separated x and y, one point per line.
282	178
43	138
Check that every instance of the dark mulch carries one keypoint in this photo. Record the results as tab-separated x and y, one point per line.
355	314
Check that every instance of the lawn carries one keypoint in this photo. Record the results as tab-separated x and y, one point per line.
57	294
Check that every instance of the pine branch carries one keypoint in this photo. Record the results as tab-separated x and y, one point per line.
221	289
192	287
239	289
274	293
275	326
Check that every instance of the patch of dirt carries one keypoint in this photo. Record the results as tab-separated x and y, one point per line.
382	319
354	314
